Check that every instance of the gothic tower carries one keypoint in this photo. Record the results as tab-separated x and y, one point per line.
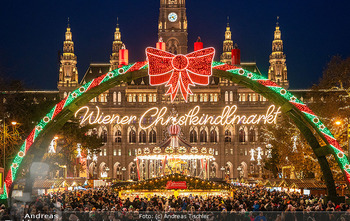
68	73
278	67
172	25
117	45
227	45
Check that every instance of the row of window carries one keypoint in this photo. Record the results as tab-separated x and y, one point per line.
203	98
203	135
116	152
243	97
132	135
142	98
133	152
244	135
152	136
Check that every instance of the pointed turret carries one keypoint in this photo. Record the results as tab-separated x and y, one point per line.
227	45
117	45
68	73
278	67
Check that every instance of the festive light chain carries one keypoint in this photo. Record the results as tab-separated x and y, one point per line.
11	175
278	90
329	138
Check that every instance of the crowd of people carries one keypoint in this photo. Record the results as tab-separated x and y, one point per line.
247	203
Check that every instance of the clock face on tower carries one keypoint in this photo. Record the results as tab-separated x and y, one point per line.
172	17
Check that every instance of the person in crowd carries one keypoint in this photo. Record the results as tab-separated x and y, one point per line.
247	203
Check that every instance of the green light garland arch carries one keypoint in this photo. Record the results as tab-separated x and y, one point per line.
308	123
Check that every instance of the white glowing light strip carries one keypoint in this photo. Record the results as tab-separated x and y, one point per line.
193	117
170	157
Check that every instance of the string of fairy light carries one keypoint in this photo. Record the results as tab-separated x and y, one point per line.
317	124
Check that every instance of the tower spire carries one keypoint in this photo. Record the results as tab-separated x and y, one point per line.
227	45
68	73
68	23
278	66
172	25
116	46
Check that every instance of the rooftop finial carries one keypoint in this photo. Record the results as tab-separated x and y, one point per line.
228	21
117	22
68	23
278	17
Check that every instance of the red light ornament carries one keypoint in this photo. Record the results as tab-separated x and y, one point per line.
160	44
179	71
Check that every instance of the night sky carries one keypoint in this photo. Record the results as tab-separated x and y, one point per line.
32	33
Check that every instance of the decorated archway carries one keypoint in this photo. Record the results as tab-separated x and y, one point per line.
315	132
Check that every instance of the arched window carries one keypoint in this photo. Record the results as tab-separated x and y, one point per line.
226	96
242	135
205	99
114	97
231	96
142	136
254	97
118	136
228	136
119	97
228	169
103	98
152	136
104	134
140	98
213	168
252	135
118	171
195	98
193	135
203	137
213	135
132	135
243	97
132	171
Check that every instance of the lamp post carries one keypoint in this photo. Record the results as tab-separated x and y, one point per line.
222	172
123	169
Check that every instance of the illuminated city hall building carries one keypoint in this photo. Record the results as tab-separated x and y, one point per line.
141	148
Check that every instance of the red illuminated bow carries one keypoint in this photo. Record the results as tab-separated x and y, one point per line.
179	70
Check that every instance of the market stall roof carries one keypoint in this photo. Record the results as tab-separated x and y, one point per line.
55	183
294	183
192	183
